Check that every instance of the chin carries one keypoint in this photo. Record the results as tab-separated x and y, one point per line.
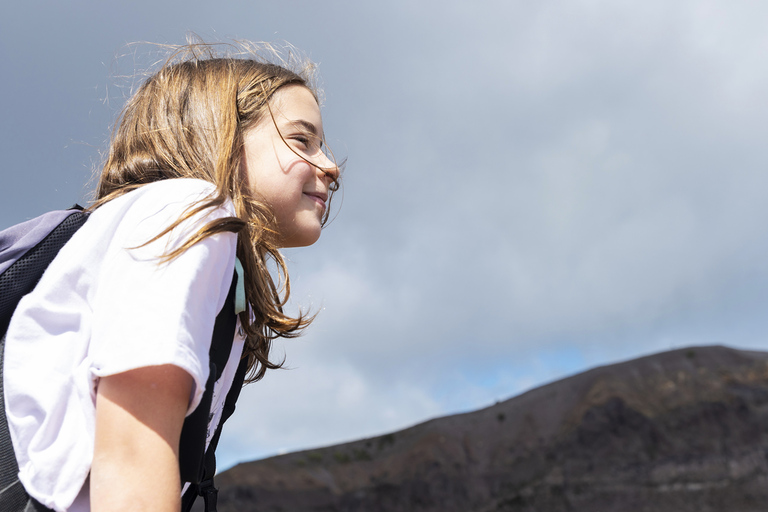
303	239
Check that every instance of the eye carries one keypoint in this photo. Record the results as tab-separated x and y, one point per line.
305	141
308	143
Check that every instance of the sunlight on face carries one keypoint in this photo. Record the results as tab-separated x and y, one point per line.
292	176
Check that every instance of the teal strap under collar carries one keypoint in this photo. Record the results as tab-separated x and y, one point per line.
240	290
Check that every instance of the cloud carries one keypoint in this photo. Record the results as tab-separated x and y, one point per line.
576	178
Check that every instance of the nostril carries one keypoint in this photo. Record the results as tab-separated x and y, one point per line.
332	173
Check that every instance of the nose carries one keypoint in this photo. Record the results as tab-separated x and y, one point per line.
327	167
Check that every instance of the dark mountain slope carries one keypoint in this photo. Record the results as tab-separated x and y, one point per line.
685	430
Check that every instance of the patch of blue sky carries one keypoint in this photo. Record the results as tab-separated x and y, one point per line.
478	386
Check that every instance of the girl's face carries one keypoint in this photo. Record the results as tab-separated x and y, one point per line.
286	175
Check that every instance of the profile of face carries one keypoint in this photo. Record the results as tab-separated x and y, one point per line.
291	173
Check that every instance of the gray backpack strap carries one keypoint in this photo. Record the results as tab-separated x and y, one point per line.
26	250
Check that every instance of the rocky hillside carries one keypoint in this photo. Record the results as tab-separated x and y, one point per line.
685	430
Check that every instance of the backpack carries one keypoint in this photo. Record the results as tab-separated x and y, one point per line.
26	250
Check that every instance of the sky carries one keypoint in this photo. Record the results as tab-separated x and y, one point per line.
533	189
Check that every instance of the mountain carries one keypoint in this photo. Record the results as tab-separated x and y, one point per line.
685	430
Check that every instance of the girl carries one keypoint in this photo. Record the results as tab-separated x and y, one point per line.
216	163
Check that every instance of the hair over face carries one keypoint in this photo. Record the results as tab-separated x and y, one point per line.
187	121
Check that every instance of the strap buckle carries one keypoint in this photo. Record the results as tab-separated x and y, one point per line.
209	493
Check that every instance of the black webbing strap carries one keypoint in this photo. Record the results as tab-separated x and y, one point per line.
206	488
221	346
195	429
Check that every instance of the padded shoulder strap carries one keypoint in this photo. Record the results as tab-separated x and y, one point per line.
221	346
195	429
206	488
29	253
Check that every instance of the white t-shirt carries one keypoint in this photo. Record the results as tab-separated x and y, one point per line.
105	306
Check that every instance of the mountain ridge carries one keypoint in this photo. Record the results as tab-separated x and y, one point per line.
674	429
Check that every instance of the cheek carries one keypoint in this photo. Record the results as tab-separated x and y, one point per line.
293	178
283	192
262	176
279	178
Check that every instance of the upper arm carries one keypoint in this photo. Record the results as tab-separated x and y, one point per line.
139	416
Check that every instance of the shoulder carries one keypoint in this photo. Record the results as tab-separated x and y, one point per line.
179	187
181	192
161	202
151	221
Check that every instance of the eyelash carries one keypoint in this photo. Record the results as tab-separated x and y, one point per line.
304	140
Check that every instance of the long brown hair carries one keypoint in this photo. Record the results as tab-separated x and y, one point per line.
187	121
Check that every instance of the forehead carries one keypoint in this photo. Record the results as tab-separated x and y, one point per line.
296	103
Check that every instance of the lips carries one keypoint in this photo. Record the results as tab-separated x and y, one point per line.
320	197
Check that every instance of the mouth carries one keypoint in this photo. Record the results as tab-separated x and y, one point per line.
318	197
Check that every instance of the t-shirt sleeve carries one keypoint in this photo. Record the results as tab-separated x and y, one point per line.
148	312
